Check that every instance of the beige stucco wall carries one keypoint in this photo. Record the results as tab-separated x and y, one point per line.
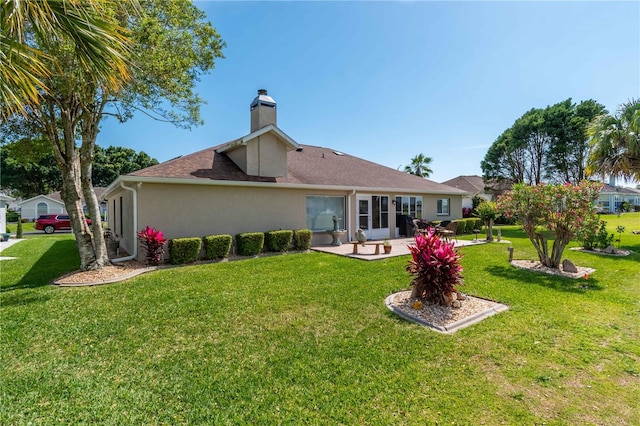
199	210
266	156
239	156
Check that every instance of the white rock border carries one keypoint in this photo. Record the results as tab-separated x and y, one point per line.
448	328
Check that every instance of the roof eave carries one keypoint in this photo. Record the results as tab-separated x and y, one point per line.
181	181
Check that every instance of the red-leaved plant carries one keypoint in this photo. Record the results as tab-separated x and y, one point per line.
153	243
435	268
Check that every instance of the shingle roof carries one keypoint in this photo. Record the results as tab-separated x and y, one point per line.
472	184
310	166
618	189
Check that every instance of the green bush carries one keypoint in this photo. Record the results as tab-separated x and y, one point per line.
184	250
249	243
302	239
278	240
12	216
217	246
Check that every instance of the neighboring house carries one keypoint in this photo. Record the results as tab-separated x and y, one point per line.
611	197
265	181
41	204
51	204
473	184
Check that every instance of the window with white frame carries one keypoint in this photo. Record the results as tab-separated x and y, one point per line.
321	209
409	205
443	207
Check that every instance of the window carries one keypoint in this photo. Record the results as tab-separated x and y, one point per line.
320	212
410	206
380	212
443	207
42	208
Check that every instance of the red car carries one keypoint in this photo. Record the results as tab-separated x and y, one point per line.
54	222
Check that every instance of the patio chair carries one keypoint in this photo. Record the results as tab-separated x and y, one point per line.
452	230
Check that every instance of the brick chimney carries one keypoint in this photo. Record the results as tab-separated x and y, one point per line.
263	111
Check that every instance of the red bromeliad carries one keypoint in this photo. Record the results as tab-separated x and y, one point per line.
153	242
435	268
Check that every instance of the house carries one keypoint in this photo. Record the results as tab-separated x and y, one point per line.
612	196
266	180
473	184
52	203
36	206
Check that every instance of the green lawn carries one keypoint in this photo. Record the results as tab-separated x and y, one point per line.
306	339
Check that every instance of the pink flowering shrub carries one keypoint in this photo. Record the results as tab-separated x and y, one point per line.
552	212
435	268
153	242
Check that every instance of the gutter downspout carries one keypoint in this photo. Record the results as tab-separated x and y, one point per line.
135	226
353	193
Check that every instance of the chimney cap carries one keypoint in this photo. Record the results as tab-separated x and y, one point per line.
263	99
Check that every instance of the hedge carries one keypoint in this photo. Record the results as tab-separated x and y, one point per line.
184	250
278	241
249	243
302	239
216	246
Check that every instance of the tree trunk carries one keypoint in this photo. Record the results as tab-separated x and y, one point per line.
490	230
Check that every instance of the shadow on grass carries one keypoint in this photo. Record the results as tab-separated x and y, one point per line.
61	257
546	280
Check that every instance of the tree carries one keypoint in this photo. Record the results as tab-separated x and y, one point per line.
544	144
28	167
566	123
557	211
172	46
615	142
114	161
488	212
28	27
419	166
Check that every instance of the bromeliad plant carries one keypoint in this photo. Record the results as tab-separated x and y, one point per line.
435	269
153	242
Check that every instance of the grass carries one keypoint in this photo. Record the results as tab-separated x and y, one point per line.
306	339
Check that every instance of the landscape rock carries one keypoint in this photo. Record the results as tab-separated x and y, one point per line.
568	266
461	296
456	304
610	250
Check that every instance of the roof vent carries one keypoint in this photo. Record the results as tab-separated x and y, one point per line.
338	153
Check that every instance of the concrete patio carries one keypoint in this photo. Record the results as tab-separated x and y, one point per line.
400	247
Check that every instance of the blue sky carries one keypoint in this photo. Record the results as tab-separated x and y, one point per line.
388	80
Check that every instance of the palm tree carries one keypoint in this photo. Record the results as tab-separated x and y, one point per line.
419	166
28	27
615	142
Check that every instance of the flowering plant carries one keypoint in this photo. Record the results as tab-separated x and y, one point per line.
153	242
435	268
563	211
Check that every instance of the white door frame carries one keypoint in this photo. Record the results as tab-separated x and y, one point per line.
377	233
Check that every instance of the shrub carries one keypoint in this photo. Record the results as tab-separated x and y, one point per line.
249	243
217	246
435	269
302	239
477	224
278	240
152	241
12	216
466	212
595	239
184	250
